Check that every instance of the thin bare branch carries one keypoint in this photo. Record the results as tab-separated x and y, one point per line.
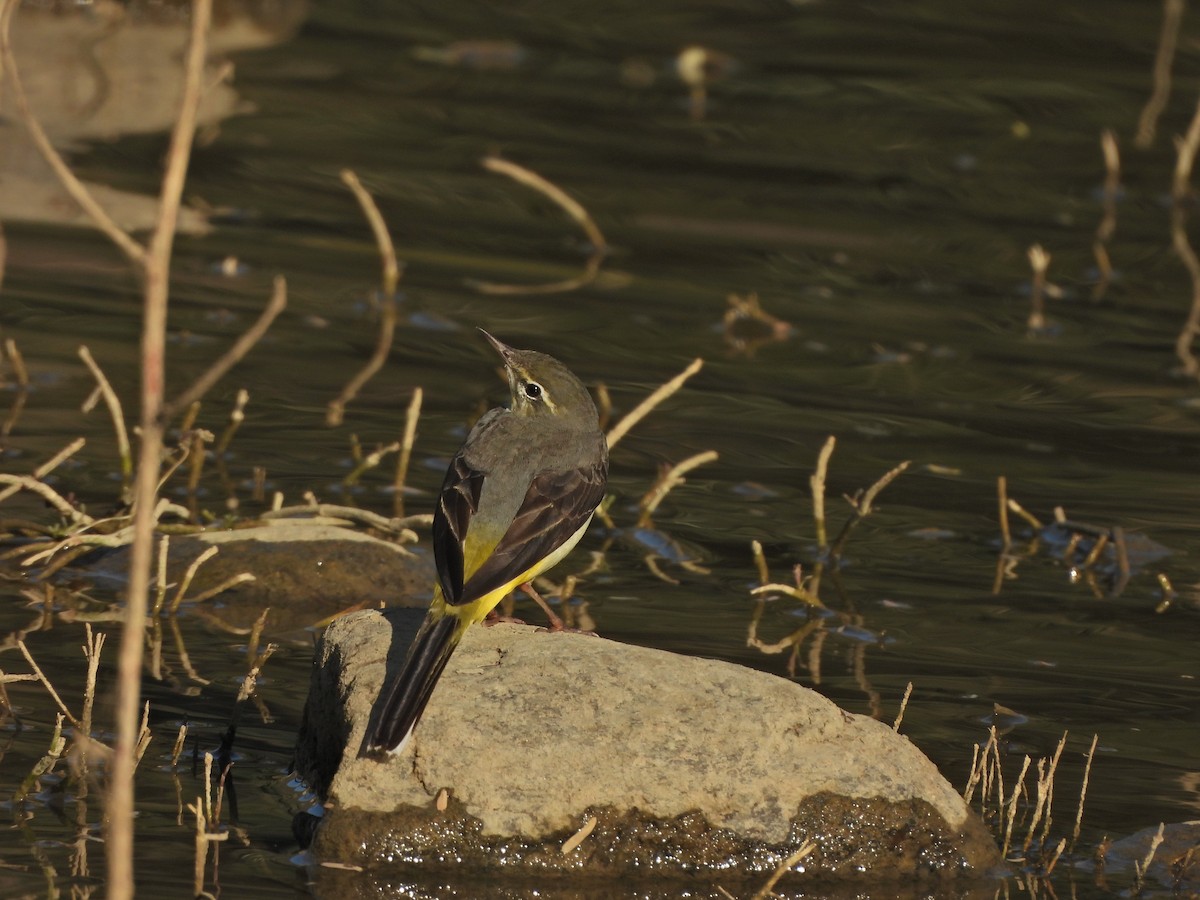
644	408
234	354
156	277
387	308
406	446
1167	39
115	412
573	209
670	480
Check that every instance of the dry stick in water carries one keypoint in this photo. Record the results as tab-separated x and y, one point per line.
156	271
186	581
572	208
863	506
1141	867
1039	261
406	446
51	496
1087	772
816	483
1045	797
644	408
48	466
243	345
41	676
1002	495
784	867
668	482
578	837
1180	192
387	311
113	403
236	417
22	375
1008	810
1168	37
1108	222
368	462
903	706
760	562
374	520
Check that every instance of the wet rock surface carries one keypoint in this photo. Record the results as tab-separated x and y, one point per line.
1174	863
678	766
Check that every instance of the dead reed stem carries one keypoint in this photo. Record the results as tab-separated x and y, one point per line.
816	483
784	867
336	410
1141	867
398	527
51	496
13	353
113	403
1002	497
243	345
411	417
1180	192
670	480
864	506
1039	261
1008	810
156	281
368	462
41	676
578	837
1087	772
760	562
48	466
903	706
1108	221
572	208
383	240
188	575
643	409
1167	39
236	417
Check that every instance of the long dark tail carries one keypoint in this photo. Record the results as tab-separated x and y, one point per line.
409	692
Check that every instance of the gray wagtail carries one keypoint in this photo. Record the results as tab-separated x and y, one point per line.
517	497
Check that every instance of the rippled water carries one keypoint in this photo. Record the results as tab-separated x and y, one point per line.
874	173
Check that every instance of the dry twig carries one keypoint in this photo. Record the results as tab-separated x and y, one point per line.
643	409
336	410
1168	37
572	208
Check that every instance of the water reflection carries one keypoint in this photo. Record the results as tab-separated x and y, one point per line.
875	176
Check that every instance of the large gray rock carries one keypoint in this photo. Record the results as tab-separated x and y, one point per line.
687	765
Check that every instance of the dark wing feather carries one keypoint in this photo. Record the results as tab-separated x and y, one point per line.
457	503
556	505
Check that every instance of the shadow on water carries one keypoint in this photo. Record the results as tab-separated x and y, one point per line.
872	177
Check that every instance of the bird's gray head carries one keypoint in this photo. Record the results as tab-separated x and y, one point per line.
543	387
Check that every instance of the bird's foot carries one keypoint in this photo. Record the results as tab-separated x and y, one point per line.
494	618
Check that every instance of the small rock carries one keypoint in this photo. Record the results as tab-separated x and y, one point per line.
688	767
305	570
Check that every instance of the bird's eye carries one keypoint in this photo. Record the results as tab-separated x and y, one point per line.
533	390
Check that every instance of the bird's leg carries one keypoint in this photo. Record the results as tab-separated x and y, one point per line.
556	624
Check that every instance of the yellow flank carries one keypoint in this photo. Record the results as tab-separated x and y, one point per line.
469	614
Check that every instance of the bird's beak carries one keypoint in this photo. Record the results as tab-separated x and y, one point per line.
506	354
502	348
